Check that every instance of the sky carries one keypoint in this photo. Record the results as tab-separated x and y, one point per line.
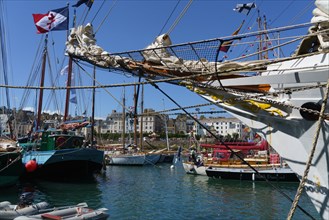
125	25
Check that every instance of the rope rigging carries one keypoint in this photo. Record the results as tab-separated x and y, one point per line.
196	84
172	12
114	3
180	17
311	155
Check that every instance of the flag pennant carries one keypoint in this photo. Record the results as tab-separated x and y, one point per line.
65	71
89	3
244	8
54	20
74	100
227	44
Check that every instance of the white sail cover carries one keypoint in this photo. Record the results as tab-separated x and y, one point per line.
321	17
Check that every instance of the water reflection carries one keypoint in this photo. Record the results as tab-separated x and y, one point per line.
159	192
57	193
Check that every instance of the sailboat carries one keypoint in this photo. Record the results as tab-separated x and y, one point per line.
59	152
129	155
215	161
283	99
11	166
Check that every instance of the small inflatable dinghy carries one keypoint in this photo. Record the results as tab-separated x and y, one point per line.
70	213
25	206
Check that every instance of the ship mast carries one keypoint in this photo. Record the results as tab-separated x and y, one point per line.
123	120
69	79
42	80
68	84
93	109
260	45
135	116
141	120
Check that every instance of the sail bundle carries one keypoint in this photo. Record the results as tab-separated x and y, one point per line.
321	17
160	58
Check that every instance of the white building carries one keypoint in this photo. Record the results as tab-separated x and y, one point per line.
222	126
151	123
3	124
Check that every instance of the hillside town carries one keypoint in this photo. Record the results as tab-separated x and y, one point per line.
150	123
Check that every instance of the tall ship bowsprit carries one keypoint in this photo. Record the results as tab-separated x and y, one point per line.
283	99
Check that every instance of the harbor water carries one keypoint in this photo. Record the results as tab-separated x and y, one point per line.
159	192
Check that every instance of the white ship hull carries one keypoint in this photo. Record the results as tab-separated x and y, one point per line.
191	168
285	129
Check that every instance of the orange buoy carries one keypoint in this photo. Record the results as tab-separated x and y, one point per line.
31	166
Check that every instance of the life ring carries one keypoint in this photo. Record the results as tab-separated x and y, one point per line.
77	142
60	141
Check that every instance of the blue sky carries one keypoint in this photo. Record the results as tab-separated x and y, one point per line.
131	25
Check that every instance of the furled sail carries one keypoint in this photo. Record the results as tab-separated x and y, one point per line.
159	58
321	17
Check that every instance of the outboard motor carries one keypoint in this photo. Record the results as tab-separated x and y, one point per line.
25	199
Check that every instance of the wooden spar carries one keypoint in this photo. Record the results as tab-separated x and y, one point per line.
42	80
259	20
266	37
68	84
69	76
93	109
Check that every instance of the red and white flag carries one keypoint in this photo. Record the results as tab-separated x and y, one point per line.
54	20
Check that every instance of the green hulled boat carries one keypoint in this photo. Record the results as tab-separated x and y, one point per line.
61	155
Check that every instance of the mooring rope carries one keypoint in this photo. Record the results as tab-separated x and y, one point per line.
11	162
309	162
